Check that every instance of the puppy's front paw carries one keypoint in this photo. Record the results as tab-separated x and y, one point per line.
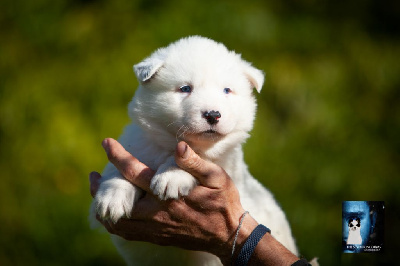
115	199
172	183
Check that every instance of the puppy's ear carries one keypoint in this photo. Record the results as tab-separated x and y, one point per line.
147	68
255	76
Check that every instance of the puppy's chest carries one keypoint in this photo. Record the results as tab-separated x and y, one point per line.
354	232
153	158
152	154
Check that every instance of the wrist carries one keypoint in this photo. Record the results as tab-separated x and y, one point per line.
267	250
247	226
250	245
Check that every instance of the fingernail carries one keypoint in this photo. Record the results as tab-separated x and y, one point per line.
105	145
94	175
183	150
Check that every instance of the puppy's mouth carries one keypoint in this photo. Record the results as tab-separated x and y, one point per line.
210	131
208	135
205	134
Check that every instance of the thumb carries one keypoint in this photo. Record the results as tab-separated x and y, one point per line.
207	173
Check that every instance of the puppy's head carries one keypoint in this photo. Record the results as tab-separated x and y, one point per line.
198	91
354	224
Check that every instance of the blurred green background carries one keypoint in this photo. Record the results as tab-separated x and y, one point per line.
327	130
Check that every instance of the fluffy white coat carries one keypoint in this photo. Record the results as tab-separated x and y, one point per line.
162	114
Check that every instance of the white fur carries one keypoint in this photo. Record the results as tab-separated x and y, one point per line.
162	115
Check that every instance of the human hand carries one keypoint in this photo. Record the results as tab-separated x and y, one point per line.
205	220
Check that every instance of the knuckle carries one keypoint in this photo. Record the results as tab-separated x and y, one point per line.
195	164
127	167
215	172
174	206
162	217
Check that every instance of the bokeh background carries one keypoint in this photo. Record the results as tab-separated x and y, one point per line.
327	130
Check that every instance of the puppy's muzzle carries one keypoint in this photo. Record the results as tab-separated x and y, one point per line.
212	117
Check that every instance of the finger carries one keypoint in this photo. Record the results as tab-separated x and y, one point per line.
132	230
207	173
118	228
146	208
131	168
106	224
94	179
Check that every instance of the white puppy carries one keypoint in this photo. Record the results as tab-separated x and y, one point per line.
197	91
354	237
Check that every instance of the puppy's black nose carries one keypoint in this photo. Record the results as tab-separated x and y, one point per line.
212	117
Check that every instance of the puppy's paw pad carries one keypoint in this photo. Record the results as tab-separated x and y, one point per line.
115	199
172	184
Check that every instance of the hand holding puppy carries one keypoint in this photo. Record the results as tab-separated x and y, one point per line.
206	219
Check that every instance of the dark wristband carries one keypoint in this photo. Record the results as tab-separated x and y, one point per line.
250	245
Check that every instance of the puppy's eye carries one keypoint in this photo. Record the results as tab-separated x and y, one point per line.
227	90
186	89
